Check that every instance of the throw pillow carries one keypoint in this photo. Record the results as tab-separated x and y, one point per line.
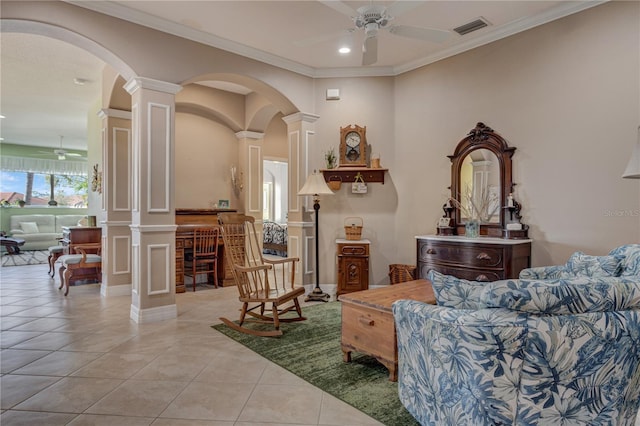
455	292
29	227
580	264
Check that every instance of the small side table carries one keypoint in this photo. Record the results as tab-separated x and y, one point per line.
353	265
11	244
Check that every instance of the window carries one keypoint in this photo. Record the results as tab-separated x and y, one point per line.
36	189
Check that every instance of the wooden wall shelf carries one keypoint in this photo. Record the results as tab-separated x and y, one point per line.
348	174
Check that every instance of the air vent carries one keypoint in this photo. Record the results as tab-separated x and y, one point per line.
471	26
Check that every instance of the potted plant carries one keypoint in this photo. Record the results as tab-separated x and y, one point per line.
21	203
330	158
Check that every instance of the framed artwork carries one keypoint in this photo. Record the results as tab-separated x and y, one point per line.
223	204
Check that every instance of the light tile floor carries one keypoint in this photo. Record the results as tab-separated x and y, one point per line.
79	360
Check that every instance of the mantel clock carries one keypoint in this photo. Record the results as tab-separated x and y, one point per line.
353	146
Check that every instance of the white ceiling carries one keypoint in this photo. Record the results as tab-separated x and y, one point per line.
41	101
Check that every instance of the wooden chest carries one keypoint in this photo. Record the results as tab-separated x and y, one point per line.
367	321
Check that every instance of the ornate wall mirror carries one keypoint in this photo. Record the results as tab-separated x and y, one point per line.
481	186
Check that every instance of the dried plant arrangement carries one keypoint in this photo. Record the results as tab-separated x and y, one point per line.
480	205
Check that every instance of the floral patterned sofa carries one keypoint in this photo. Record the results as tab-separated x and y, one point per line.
622	261
522	352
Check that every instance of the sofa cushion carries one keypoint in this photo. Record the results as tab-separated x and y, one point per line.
457	293
564	296
580	264
45	222
29	227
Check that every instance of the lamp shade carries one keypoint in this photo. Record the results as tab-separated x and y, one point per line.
315	185
633	168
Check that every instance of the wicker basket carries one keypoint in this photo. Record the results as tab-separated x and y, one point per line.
399	273
334	183
353	228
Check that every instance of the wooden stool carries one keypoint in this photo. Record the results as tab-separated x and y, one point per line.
54	253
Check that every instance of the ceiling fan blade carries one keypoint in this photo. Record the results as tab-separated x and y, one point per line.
420	33
400	7
370	51
339	7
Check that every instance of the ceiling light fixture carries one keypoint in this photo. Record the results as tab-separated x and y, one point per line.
344	50
80	81
346	42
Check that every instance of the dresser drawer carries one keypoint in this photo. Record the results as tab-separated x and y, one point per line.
353	249
471	255
460	272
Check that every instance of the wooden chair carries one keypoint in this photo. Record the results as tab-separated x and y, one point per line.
87	257
262	283
204	258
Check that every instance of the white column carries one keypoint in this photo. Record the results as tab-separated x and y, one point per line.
153	209
250	166
301	238
116	202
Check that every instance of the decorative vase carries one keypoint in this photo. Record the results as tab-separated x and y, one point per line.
472	228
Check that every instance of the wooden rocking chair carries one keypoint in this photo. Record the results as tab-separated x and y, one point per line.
261	282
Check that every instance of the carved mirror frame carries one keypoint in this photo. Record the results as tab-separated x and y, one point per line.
483	137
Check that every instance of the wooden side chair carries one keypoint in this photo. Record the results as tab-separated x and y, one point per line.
262	284
204	258
87	262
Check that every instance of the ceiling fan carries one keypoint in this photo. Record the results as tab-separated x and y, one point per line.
61	153
373	18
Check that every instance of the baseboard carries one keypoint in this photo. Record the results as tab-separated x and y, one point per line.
159	313
115	290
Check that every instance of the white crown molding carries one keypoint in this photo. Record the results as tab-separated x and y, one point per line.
114	113
148	83
246	134
498	33
301	116
121	11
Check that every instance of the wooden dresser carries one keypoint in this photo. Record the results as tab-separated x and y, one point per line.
74	235
187	220
477	259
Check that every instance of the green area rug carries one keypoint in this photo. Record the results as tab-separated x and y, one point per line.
311	350
25	257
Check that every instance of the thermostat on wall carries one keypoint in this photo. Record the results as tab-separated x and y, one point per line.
333	94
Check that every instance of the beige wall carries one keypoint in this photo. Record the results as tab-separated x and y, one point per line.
205	150
565	94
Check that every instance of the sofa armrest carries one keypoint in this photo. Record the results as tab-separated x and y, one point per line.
543	273
16	232
448	356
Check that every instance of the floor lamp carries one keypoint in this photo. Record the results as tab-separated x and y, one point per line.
316	186
633	168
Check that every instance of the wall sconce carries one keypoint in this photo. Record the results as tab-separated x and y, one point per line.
236	179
